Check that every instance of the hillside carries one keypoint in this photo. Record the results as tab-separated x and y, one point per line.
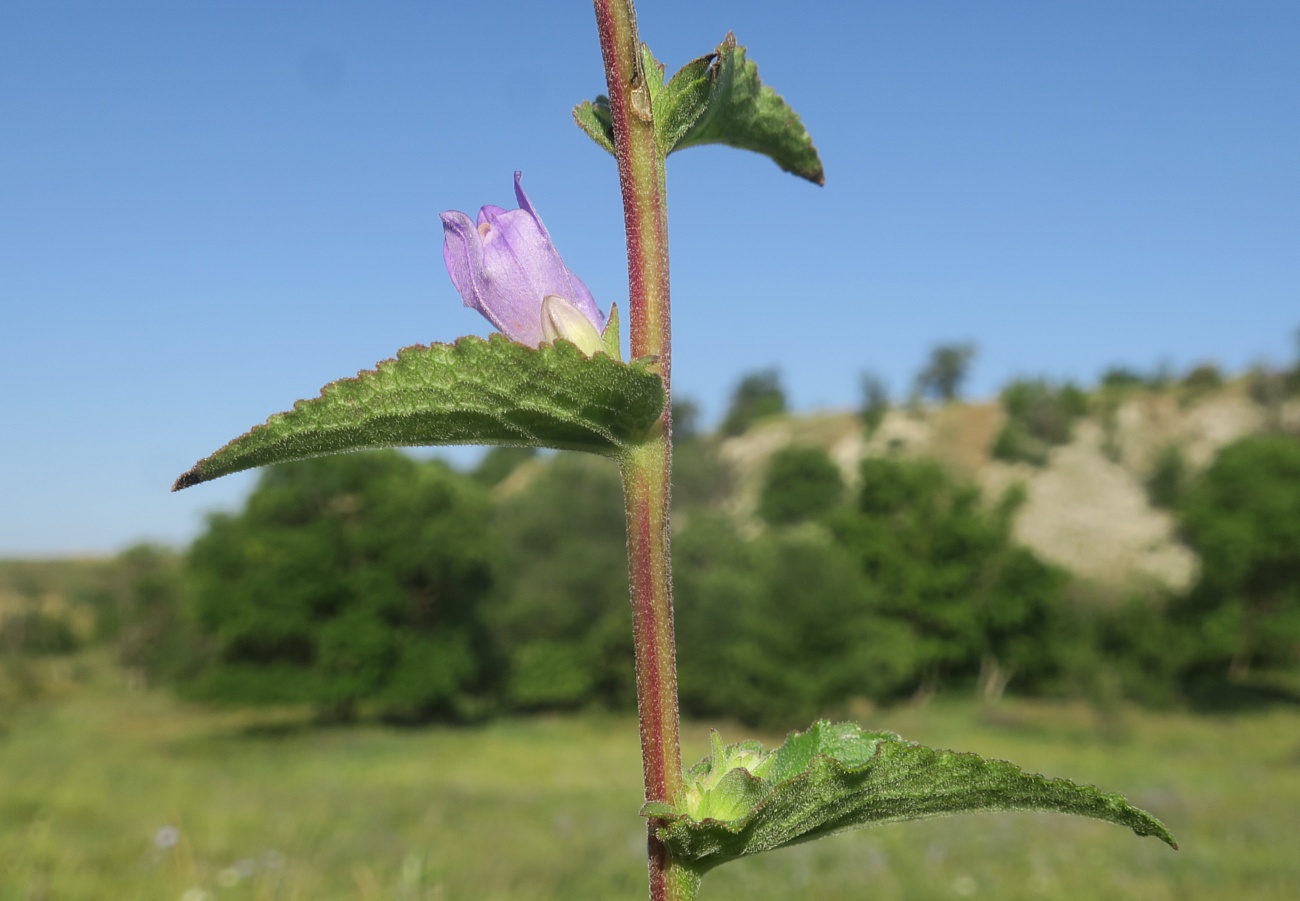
1086	508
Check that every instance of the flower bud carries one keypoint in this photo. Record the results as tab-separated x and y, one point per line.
505	266
561	319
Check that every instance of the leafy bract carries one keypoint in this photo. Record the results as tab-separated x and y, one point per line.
743	112
593	117
470	392
612	336
833	777
716	99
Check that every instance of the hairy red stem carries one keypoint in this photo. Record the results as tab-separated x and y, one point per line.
647	470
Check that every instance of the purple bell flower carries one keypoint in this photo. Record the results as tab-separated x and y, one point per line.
505	266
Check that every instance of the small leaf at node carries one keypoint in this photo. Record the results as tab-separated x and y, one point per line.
681	102
594	118
610	337
741	800
470	392
716	99
742	112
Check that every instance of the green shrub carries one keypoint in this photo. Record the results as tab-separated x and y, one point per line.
875	402
1015	444
1140	651
1120	377
347	579
1243	517
948	568
701	478
1202	378
801	483
686	420
36	633
142	611
550	674
1199	381
499	462
921	585
1168	479
559	613
758	395
1271	388
1040	415
945	372
781	629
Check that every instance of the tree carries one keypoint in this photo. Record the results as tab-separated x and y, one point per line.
1243	518
980	605
702	479
36	633
875	402
686	419
500	462
1168	477
348	578
946	370
801	483
1122	378
560	622
1040	415
140	610
759	394
28	628
780	629
1202	378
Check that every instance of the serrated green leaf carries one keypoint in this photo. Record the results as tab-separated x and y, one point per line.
836	777
681	102
594	118
843	742
743	112
716	99
470	392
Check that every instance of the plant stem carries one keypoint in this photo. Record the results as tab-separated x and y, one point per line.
645	489
647	470
642	179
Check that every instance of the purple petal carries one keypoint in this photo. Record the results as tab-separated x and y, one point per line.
489	213
463	254
526	206
575	291
505	264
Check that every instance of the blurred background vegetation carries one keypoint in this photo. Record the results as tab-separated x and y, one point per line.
815	574
869	565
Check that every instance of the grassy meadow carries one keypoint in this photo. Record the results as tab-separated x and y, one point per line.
113	793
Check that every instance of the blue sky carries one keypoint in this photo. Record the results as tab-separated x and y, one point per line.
209	210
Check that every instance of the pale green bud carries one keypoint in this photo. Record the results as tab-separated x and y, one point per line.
562	319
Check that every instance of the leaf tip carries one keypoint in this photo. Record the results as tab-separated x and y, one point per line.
188	479
1158	829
